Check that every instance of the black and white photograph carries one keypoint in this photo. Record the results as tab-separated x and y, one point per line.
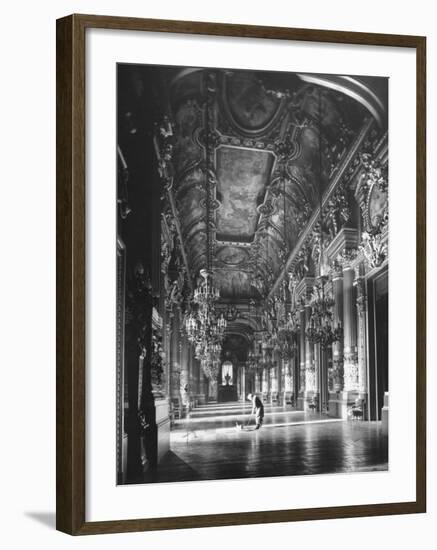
252	261
218	298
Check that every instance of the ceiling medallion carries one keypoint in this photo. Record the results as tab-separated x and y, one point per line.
232	255
266	209
248	108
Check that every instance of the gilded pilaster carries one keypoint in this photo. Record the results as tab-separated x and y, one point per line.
310	372
360	284
349	330
337	347
302	349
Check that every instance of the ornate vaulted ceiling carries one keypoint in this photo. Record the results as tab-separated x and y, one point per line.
259	135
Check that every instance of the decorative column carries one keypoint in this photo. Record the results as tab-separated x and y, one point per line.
280	371
257	384
323	387
336	380
317	368
360	285
349	330
166	345
194	373
303	292
203	385
342	252
310	374
242	382
294	365
300	399
264	381
288	380
185	388
212	389
175	370
337	347
274	380
269	383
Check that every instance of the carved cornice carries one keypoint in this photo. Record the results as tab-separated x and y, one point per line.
304	289
342	246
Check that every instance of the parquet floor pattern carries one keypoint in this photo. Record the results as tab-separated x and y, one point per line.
208	446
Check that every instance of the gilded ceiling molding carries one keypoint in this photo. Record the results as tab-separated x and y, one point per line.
163	141
335	181
185	72
183	184
374	248
198	260
263	231
244	130
191	229
354	88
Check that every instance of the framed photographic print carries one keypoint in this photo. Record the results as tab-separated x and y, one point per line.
240	274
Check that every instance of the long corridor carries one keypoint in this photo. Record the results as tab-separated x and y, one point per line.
208	445
254	262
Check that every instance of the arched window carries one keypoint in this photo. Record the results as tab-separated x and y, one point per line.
227	374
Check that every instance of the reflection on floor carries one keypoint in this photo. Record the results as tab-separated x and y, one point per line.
207	445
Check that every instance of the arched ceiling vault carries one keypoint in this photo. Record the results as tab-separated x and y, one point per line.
266	170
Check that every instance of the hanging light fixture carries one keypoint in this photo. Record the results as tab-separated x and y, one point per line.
320	329
254	355
206	293
204	327
287	320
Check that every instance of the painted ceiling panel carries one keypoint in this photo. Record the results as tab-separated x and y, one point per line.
249	104
189	205
233	283
242	177
262	153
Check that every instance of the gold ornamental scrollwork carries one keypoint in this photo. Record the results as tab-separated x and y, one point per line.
373	194
373	249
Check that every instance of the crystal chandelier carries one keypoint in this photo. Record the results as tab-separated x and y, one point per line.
204	323
192	327
206	293
204	327
287	336
320	329
285	306
255	355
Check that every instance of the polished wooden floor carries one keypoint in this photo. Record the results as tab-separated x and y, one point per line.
207	445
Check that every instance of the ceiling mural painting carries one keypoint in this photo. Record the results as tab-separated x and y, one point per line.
242	177
247	106
272	143
232	255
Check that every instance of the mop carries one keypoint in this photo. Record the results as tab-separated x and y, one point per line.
241	427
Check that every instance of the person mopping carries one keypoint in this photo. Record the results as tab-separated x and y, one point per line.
257	410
